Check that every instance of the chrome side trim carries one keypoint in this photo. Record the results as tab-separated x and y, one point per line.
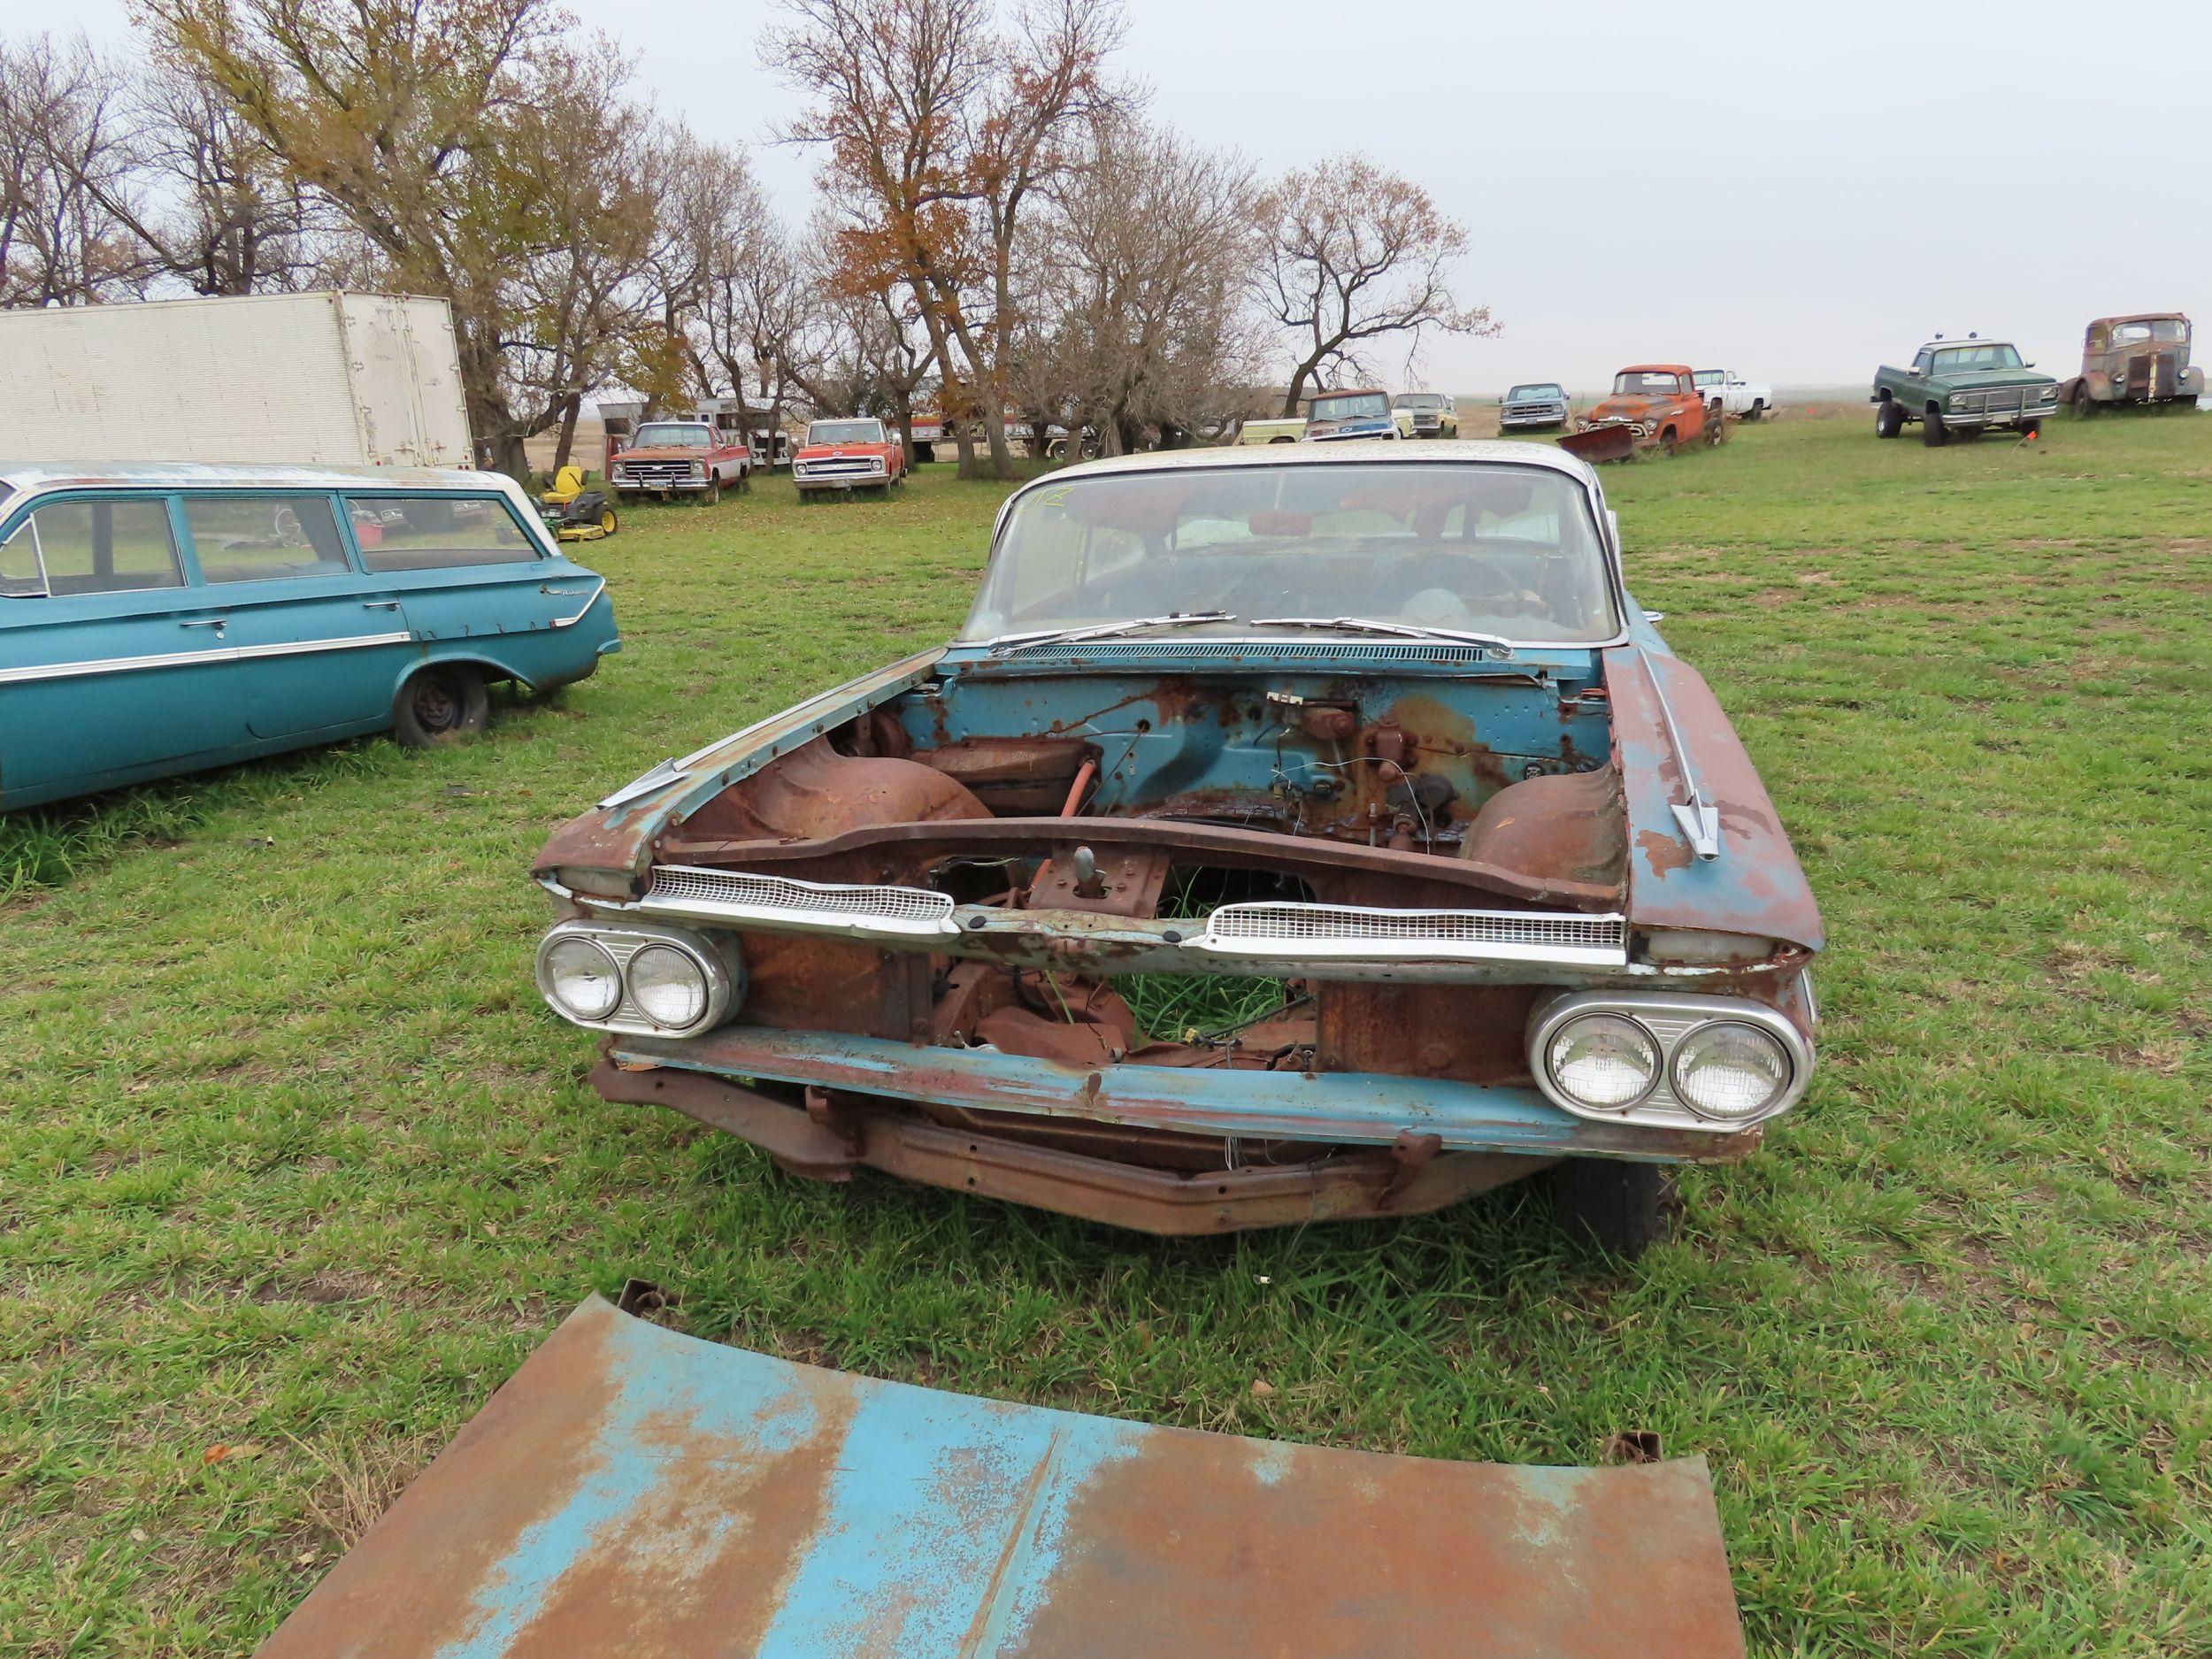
1698	819
1299	932
180	659
1668	1018
598	588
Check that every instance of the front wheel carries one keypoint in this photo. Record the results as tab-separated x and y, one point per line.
1932	430
2084	405
2031	430
1622	1208
440	703
711	495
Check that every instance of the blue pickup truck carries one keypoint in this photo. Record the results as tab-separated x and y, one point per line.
167	618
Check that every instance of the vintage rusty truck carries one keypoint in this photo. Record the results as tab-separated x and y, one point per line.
1652	406
2142	358
1290	833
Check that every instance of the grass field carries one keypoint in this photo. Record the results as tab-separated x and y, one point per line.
294	1162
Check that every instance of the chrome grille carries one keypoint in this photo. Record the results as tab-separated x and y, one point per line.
811	905
1321	930
652	472
839	469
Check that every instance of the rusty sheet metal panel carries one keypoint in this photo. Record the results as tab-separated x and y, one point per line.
1756	886
632	1492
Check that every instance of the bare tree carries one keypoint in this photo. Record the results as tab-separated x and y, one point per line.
1357	254
62	159
1143	265
939	132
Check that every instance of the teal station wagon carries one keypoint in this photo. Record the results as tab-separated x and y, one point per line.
157	619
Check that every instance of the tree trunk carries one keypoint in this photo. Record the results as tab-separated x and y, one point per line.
902	411
567	440
1001	456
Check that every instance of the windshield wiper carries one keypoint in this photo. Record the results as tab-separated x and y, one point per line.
1005	642
1402	630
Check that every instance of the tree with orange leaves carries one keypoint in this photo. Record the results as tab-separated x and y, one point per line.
941	129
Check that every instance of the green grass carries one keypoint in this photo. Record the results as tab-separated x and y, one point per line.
292	1159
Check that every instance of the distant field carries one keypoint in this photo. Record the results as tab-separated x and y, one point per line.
294	1162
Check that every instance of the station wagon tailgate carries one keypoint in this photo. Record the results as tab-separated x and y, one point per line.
636	1492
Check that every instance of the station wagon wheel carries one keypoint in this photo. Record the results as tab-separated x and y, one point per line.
1621	1208
439	703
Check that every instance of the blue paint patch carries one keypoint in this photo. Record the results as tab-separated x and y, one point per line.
662	1389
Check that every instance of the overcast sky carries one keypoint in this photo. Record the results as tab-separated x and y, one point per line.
1800	191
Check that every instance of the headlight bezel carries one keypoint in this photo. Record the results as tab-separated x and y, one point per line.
715	955
1670	1020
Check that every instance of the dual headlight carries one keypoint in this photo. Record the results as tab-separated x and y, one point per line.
1682	1062
637	978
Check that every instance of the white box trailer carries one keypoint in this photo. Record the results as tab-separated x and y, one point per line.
338	378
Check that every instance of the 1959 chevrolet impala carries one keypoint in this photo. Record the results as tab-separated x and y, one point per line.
165	619
1290	835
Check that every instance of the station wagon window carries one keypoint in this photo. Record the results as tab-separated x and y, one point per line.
92	547
264	538
414	533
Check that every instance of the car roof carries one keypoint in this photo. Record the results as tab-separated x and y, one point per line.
1657	368
1497	451
1947	345
2143	316
1352	391
29	475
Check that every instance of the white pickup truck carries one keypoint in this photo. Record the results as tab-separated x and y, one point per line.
1732	394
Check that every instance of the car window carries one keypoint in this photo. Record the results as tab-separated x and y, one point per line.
1645	383
413	532
845	432
1920	364
1351	407
680	435
92	547
264	538
2131	333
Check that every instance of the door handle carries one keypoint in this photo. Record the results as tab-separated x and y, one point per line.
379	604
210	622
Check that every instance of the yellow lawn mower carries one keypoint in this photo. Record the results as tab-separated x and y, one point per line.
574	513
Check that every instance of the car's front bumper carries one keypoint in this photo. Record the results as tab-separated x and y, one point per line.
841	480
659	485
1326	1108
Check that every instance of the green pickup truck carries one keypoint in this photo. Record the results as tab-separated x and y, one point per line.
1963	386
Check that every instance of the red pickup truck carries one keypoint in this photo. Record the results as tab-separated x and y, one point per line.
847	454
681	458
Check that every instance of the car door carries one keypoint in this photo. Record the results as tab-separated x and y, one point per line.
464	567
319	646
113	661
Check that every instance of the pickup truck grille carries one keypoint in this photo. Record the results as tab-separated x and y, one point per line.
853	468
1535	411
652	474
2009	400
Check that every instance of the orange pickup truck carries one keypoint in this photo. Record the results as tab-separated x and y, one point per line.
847	454
1652	405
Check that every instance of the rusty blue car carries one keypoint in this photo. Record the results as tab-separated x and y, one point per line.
163	619
1291	833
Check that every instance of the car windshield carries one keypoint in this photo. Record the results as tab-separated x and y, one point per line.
667	435
1485	547
1420	399
1351	406
1989	355
1645	383
2171	330
1535	391
1709	377
845	432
